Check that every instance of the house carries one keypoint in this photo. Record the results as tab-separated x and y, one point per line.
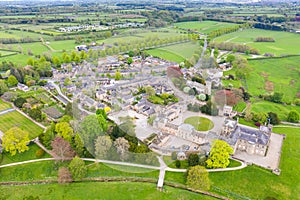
23	87
101	95
247	139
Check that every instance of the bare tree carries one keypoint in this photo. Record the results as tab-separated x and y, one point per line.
122	146
64	175
62	148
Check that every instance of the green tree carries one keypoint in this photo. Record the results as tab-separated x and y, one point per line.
35	114
197	178
78	145
12	81
15	140
230	58
219	155
3	87
102	146
64	130
293	116
129	61
77	168
193	159
47	137
19	102
273	117
30	61
150	90
56	61
118	75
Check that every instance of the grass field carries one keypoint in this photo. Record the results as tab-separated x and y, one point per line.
6	53
204	26
63	45
166	55
240	106
272	75
19	157
4	105
98	190
19	59
200	123
14	118
266	106
257	183
285	43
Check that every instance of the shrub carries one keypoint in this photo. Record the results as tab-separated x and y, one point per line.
39	153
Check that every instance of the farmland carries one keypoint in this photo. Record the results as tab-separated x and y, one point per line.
203	26
285	43
14	118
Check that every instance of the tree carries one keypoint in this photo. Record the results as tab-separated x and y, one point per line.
19	102
3	87
193	159
15	139
260	117
78	145
150	90
197	178
30	61
129	61
293	116
122	146
64	130
103	123
62	148
273	117
64	175
77	168
35	114
47	137
102	146
12	81
219	155
118	75
230	58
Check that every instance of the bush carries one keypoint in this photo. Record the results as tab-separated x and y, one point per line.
39	153
177	163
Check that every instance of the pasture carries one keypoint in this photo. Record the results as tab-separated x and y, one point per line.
272	75
99	190
166	55
285	43
204	26
266	106
14	118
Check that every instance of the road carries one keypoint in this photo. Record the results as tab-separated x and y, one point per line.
202	55
7	111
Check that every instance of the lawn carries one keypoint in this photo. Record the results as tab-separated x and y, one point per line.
200	123
19	157
98	190
240	106
19	59
14	118
257	183
285	43
204	26
4	105
272	75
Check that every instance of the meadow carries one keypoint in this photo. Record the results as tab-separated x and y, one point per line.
14	118
285	43
98	190
272	75
204	26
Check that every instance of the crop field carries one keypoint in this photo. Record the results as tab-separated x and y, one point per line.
204	26
14	118
273	75
256	183
285	43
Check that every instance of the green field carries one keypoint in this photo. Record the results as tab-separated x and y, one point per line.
257	183
19	59
200	123
272	75
4	105
6	53
285	43
166	55
266	106
63	45
185	50
14	118
98	190
204	26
